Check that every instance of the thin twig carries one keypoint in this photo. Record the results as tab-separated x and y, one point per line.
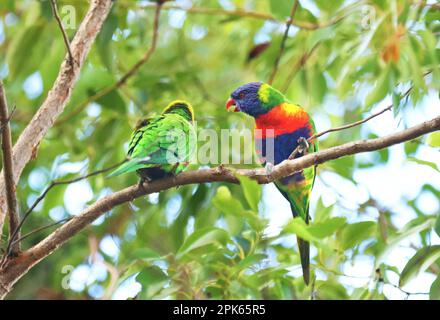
283	42
350	125
8	119
339	274
46	191
41	229
347	126
408	293
63	31
123	80
8	172
150	51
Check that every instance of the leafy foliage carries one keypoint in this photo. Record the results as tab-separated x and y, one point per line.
211	240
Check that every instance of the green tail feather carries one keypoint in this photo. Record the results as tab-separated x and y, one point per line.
304	253
303	246
129	166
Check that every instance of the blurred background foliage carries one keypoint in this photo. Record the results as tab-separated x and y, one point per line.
214	240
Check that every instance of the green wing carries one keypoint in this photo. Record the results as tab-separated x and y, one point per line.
161	141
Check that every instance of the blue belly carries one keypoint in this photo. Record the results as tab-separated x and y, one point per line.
276	150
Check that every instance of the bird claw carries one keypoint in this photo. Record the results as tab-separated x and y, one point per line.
221	169
269	168
303	145
142	181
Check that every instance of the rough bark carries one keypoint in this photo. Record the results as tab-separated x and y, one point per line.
27	144
8	168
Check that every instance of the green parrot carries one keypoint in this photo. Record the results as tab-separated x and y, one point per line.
281	127
161	145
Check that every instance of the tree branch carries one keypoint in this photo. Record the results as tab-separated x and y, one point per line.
123	80
63	31
41	229
11	197
15	234
283	42
15	268
57	98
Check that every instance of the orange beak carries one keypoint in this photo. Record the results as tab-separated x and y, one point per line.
231	103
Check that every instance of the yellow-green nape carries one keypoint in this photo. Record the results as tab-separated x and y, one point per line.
263	92
181	107
270	96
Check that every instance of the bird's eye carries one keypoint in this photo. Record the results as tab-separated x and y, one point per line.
242	95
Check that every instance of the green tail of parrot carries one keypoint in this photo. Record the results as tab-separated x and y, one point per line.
304	253
303	245
128	166
304	249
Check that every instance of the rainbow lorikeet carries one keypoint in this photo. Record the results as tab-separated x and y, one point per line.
161	145
281	126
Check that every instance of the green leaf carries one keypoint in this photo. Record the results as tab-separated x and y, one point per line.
229	205
104	40
251	190
413	227
152	280
355	233
224	201
327	227
19	61
201	238
112	101
249	261
91	81
145	254
331	290
330	6
434	292
299	227
424	162
434	139
437	225
411	147
322	212
360	293
419	263
50	66
193	205
381	88
281	8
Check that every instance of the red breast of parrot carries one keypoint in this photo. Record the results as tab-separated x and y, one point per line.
279	125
